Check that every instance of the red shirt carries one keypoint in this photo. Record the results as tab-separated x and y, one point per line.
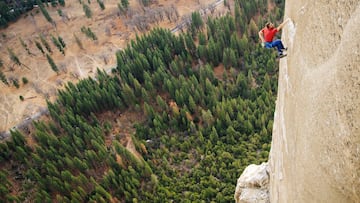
269	34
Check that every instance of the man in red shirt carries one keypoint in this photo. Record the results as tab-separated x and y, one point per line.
267	35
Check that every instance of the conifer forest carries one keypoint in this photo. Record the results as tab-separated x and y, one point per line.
204	99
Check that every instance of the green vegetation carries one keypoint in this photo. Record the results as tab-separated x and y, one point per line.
2	75
39	46
24	80
59	11
12	10
3	78
52	63
54	3
196	20
88	32
59	44
62	42
125	4
62	2
87	10
101	4
44	11
206	113
144	2
13	57
15	83
23	44
45	43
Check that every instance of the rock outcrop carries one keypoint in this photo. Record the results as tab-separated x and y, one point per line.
253	185
315	152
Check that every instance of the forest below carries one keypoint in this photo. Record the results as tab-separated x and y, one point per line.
196	131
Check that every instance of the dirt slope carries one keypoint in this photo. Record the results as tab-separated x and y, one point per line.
113	33
315	154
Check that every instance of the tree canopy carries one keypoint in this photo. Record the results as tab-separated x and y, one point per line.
206	113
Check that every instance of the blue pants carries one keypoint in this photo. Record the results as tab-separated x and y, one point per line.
276	43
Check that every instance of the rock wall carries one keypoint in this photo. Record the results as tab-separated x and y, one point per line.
315	154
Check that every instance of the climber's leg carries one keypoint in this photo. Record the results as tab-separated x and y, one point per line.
279	46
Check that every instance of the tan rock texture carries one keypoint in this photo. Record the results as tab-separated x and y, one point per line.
315	154
253	185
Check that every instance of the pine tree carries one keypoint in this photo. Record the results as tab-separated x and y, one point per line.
190	45
62	2
39	46
101	4
15	83
44	12
87	11
3	78
13	57
253	29
121	8
202	38
226	58
52	63
125	3
128	95
88	32
196	20
25	46
54	3
62	42
57	44
45	43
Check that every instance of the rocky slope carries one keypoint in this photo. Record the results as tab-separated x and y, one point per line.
315	154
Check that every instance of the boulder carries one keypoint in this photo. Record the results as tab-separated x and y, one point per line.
253	185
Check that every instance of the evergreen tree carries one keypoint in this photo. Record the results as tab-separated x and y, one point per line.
128	95
62	42
3	78
87	11
13	57
25	46
253	30
62	2
101	4
57	43
39	46
45	43
196	20
44	11
125	3
25	80
15	83
52	64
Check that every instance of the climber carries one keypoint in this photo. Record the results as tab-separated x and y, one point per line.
267	35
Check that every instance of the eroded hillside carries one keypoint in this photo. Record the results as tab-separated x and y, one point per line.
112	28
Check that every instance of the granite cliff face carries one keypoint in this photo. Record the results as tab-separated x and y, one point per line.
315	154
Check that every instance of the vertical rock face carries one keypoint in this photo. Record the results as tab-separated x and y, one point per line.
253	185
315	152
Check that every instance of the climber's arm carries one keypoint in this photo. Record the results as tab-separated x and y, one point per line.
282	24
261	36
